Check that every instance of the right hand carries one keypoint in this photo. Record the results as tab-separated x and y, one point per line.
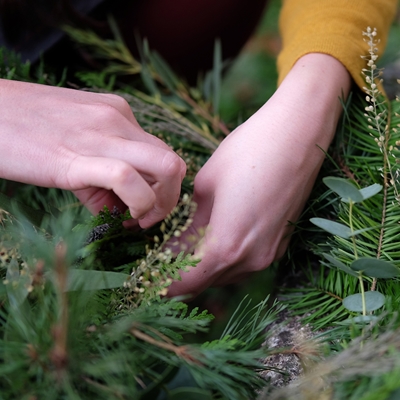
89	143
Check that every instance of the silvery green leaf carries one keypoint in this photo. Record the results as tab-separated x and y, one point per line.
360	319
332	227
344	188
373	301
375	268
370	191
339	265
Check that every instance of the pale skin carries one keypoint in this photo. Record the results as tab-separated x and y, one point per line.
261	175
253	185
88	143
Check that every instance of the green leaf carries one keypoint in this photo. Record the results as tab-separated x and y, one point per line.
80	279
375	268
365	319
149	81
332	227
339	265
373	301
370	191
360	319
190	393
343	188
164	70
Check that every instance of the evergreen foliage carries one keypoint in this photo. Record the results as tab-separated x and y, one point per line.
82	307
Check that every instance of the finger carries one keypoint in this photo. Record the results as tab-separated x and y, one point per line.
200	277
165	175
163	170
190	239
197	279
219	251
111	174
95	199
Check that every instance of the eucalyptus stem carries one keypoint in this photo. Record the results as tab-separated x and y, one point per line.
364	306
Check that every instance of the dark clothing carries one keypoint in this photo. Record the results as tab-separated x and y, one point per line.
32	44
182	31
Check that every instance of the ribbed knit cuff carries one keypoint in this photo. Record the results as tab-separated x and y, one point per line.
332	27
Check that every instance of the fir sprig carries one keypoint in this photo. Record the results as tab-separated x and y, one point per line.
367	157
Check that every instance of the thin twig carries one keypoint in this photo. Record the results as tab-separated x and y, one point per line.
58	354
216	123
180	351
332	295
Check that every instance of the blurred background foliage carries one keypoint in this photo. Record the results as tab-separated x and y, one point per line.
252	76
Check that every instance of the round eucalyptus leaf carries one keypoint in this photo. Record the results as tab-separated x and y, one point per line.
370	191
335	228
365	319
373	301
375	268
361	319
344	188
340	265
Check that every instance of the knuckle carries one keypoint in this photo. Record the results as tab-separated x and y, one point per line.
64	169
105	113
172	164
234	255
225	257
117	101
124	176
122	173
258	261
262	262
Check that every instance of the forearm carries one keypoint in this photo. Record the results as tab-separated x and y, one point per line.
308	100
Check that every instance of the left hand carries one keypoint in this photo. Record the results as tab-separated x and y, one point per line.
260	177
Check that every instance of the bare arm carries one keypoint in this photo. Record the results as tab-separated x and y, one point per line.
260	177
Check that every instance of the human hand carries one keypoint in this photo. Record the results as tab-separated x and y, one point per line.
259	178
88	143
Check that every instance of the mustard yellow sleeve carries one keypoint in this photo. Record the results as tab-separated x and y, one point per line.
332	27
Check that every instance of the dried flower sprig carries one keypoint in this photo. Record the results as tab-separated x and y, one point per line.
153	274
377	112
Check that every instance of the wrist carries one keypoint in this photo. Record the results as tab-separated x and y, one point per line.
316	83
311	94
